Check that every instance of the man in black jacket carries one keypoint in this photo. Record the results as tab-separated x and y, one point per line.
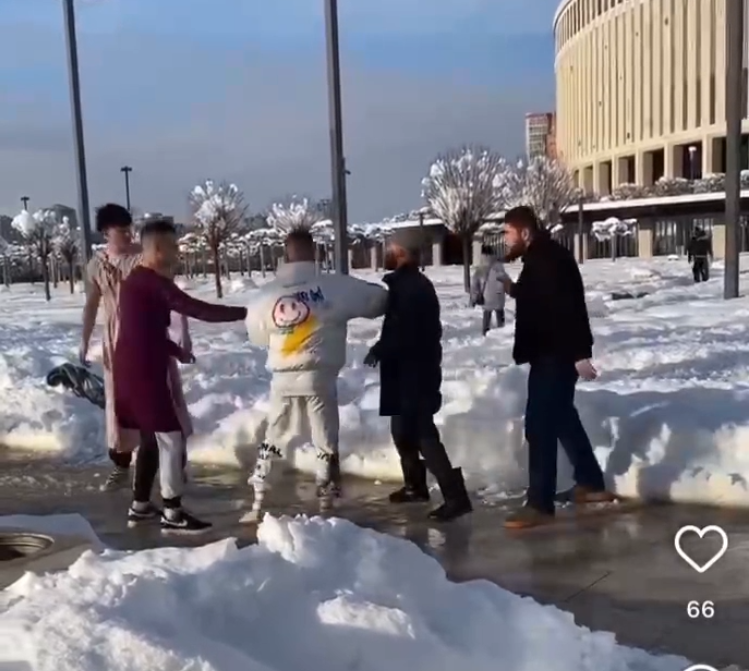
699	253
552	334
409	353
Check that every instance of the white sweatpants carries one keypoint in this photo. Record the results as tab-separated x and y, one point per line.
165	454
290	417
313	417
172	457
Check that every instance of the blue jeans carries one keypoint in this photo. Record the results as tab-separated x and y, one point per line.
551	418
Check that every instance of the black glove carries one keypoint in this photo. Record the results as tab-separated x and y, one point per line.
371	359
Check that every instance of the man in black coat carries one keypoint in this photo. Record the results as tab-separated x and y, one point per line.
699	253
552	334
409	353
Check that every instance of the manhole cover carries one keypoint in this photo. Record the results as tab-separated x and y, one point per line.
17	545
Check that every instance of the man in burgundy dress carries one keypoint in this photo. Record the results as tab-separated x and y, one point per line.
143	398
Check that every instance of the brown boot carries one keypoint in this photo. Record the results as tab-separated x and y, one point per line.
583	495
527	518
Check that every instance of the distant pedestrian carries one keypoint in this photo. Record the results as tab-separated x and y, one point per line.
488	290
552	334
700	254
409	353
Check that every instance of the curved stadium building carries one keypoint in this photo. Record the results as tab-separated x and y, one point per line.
640	89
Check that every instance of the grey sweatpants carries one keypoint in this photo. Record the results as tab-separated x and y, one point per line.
486	320
290	417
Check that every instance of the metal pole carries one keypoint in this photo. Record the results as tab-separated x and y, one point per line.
338	162
580	229
734	115
79	148
422	251
127	170
25	200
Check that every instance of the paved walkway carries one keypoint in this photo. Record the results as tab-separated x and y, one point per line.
617	572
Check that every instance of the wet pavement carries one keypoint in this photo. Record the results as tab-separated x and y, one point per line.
615	571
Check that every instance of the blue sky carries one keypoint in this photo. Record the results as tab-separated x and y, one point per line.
184	90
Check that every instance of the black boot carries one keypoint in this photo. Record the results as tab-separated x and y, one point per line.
457	502
415	489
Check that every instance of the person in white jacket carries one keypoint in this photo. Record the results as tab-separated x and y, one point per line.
487	289
301	317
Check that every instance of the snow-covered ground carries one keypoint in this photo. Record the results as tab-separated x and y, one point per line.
669	415
312	594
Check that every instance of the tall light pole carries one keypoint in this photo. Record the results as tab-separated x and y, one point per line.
25	200
692	154
79	148
127	170
338	162
734	115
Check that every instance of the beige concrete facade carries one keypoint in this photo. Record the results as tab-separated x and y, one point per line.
640	89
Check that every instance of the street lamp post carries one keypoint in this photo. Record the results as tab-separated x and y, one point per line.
734	114
338	162
80	152
126	169
692	152
25	200
580	226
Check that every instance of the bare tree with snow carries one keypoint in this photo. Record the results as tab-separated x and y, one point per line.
544	184
218	213
294	213
461	190
611	230
65	243
38	231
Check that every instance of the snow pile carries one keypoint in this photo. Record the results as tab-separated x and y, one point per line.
612	227
313	594
241	284
669	415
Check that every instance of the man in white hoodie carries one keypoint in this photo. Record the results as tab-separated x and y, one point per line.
487	289
301	317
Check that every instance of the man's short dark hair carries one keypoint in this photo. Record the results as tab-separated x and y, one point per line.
522	217
301	237
155	227
112	215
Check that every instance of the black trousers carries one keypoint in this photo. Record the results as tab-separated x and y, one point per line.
701	269
551	418
416	437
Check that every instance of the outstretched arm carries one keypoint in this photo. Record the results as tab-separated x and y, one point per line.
256	322
188	306
364	300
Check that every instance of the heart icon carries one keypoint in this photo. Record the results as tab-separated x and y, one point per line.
701	569
700	667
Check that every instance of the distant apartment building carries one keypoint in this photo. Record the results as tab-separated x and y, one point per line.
540	134
551	138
